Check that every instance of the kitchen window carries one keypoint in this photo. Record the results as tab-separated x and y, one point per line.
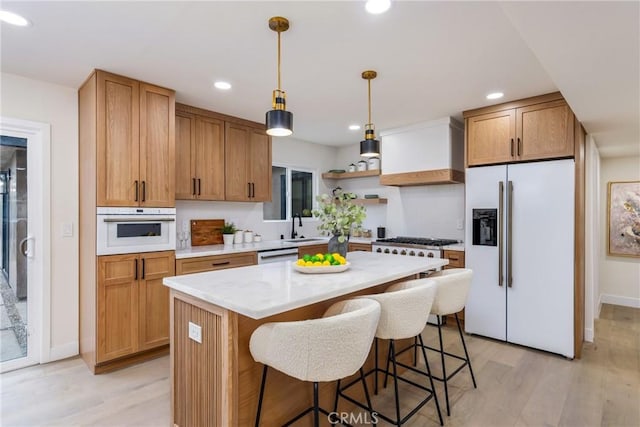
293	192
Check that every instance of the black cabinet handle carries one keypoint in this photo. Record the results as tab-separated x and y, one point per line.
144	190
519	146
199	187
135	274
215	264
194	186
511	147
136	184
142	277
248	189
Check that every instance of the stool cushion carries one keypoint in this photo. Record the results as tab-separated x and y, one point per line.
405	308
326	349
452	289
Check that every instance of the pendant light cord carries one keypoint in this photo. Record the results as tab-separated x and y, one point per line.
369	82
278	60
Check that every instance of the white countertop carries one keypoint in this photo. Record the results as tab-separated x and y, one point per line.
259	291
197	251
455	247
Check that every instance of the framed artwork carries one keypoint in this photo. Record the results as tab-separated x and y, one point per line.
623	218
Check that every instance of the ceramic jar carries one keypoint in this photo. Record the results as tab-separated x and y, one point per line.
362	165
374	163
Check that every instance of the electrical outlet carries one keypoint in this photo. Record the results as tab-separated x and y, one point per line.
195	332
67	229
460	224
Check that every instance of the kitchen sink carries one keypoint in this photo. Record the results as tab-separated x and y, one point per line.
306	239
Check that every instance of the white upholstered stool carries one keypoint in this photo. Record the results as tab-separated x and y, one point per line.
326	349
452	288
405	309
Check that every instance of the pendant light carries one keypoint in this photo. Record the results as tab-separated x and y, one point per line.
369	146
279	121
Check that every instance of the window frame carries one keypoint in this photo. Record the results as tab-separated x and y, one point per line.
315	186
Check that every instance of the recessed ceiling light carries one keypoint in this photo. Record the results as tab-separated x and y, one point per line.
377	6
13	18
222	85
354	127
495	95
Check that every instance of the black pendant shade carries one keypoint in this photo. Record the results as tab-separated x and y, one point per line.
279	122
369	148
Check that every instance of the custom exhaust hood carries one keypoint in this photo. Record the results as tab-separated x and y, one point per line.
426	153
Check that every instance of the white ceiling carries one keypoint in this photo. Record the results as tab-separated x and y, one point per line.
434	59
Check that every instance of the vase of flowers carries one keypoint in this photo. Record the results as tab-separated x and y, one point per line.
339	215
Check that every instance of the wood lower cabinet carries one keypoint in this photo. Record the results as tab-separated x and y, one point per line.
247	164
313	249
199	157
215	262
132	304
135	140
530	129
456	260
365	247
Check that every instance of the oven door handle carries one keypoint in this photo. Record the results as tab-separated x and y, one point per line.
145	219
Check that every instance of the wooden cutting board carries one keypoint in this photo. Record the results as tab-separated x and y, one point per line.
206	232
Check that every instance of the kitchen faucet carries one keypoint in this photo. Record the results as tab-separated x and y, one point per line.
293	224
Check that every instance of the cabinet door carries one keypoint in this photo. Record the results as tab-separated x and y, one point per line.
118	147
490	138
185	156
313	249
544	131
153	298
260	166
209	159
364	247
117	322
157	146
236	154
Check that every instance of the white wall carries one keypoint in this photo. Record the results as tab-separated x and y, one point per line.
619	276
592	237
28	99
248	216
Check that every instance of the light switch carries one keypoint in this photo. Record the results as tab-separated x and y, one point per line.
67	229
460	224
195	332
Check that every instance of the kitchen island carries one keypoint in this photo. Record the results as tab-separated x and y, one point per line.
214	380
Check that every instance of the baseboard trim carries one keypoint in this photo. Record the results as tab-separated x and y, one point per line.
588	334
620	300
64	351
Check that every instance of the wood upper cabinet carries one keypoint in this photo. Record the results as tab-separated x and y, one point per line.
133	305
199	157
247	164
135	139
531	129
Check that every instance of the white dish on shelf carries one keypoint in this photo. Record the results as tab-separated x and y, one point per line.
321	269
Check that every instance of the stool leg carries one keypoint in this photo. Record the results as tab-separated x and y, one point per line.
392	354
366	392
335	402
375	378
464	346
433	388
415	351
444	370
386	374
316	412
264	380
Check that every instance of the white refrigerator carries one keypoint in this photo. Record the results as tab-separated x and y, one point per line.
520	245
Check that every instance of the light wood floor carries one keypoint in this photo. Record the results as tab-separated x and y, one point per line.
516	386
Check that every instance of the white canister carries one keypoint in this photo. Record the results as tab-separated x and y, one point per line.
248	236
362	165
238	236
352	167
374	163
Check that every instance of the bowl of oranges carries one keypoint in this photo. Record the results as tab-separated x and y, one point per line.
321	263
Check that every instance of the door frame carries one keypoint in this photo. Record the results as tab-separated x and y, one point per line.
38	137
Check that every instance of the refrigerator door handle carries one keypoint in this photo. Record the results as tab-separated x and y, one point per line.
500	230
509	234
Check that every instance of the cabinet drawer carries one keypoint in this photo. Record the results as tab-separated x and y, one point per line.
456	258
215	262
313	249
366	247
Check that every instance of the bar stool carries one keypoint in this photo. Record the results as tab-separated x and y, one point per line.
405	309
452	288
326	349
